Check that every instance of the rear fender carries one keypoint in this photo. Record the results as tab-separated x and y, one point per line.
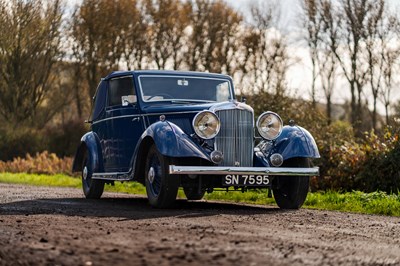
89	143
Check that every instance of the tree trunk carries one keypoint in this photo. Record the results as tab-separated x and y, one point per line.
329	109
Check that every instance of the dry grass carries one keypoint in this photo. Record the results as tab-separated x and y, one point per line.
41	163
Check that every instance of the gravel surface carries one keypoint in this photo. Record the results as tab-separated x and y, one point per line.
57	226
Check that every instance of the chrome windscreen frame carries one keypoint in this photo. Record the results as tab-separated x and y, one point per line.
180	76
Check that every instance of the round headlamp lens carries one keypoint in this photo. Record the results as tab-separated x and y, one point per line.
269	125
206	125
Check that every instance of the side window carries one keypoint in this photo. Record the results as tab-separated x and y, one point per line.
121	91
99	100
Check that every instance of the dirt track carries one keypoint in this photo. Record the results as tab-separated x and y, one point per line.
56	226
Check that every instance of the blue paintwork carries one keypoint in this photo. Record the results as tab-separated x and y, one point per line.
171	141
123	132
295	141
120	135
90	143
260	160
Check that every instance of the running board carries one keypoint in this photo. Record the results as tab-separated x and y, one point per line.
116	176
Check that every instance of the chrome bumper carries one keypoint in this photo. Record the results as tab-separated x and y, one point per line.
226	170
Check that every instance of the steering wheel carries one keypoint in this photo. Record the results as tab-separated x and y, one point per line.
164	95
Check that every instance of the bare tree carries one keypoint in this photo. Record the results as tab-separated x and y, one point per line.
374	45
98	30
354	15
390	55
78	83
136	40
353	34
265	58
327	61
312	22
29	48
212	39
168	20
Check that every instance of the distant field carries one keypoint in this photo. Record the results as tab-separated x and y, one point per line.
359	202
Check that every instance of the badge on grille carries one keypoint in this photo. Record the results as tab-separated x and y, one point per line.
237	163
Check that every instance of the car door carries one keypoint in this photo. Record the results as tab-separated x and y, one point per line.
124	123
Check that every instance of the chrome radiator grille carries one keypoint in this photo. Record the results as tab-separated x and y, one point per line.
235	139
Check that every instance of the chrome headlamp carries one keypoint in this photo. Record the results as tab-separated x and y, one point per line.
269	125
206	125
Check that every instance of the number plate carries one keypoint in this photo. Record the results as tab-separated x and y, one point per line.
246	180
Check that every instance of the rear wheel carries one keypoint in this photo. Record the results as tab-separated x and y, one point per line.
193	193
290	192
93	189
161	187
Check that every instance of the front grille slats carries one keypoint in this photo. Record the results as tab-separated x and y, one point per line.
235	139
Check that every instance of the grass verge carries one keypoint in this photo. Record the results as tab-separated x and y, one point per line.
356	201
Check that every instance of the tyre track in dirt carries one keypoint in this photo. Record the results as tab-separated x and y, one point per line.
56	226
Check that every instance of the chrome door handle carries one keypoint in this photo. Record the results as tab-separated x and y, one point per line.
135	119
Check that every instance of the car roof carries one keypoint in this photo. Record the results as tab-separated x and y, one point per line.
164	72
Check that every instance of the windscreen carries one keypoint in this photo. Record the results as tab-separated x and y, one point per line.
174	88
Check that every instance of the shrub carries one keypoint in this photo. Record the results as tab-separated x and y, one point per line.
340	154
347	163
63	139
380	170
18	143
42	163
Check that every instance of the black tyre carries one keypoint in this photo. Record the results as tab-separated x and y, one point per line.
92	188
290	192
193	193
161	187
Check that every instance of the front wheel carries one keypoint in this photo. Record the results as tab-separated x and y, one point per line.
290	192
161	187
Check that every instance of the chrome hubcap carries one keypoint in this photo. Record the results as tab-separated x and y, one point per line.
151	175
85	173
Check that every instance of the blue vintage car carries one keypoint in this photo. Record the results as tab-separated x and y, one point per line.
169	129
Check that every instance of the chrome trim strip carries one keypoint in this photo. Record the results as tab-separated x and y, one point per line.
221	170
144	115
116	117
171	113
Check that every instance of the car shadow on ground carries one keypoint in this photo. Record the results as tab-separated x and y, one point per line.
129	208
